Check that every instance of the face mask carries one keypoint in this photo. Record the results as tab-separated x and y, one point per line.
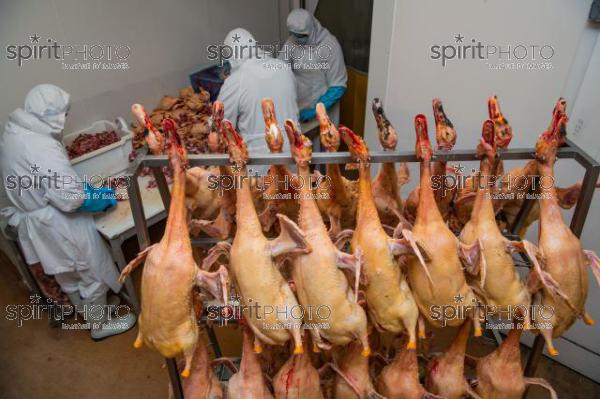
57	122
300	39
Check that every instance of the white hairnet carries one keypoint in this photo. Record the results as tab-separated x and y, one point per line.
243	45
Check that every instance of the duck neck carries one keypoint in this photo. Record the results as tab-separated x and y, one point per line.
246	216
439	168
509	351
249	363
483	207
427	210
367	211
177	219
388	171
280	170
549	209
459	345
310	217
337	181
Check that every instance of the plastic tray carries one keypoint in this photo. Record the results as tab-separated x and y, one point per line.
107	161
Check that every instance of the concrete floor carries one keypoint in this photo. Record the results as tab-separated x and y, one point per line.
37	361
42	362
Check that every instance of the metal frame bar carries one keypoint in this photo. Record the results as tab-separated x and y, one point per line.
137	211
128	291
155	161
569	151
174	378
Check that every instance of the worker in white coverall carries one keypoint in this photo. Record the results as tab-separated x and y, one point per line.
318	63
255	75
53	210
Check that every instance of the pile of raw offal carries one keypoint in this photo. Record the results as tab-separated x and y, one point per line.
88	142
191	112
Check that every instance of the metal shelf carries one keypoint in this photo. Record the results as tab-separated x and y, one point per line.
569	151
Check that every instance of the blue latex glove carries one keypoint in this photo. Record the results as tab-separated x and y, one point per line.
332	96
98	199
329	98
307	114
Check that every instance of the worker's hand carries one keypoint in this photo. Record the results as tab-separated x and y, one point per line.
307	114
98	199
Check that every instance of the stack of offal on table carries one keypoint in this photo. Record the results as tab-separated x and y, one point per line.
336	285
190	111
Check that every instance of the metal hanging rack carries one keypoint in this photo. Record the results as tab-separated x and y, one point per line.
569	151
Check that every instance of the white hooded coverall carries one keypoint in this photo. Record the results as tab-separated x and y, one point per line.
50	230
316	69
254	77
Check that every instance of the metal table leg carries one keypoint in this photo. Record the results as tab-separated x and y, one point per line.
534	357
174	377
137	211
119	257
212	337
163	187
584	202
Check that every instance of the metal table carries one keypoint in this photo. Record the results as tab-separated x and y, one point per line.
569	151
